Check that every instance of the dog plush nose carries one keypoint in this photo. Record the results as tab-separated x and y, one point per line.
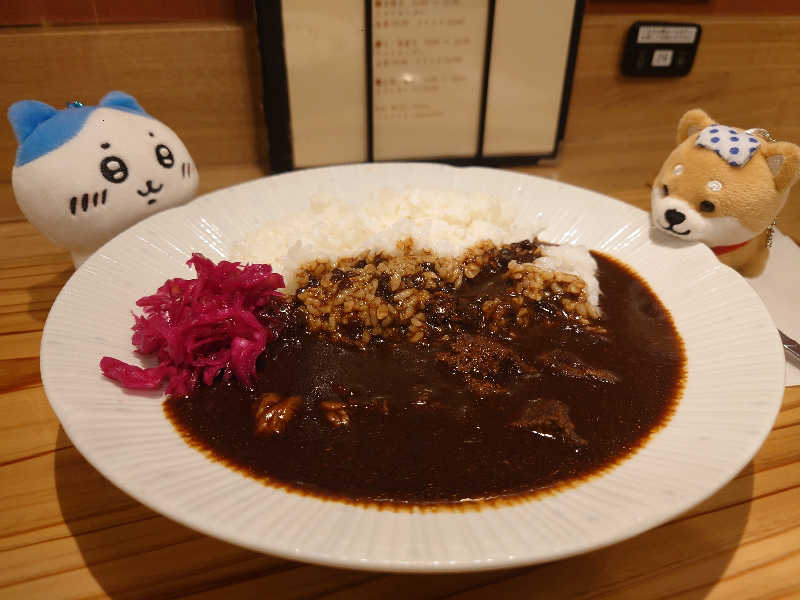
674	216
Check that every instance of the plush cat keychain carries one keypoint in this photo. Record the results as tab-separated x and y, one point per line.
724	186
85	173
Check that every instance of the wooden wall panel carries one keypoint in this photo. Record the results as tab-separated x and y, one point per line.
203	80
689	7
61	12
745	74
200	79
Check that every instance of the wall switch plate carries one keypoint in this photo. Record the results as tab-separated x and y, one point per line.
660	49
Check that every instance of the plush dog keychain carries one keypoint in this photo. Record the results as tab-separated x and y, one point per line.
85	173
724	186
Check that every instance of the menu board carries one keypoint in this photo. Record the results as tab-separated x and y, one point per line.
465	81
427	74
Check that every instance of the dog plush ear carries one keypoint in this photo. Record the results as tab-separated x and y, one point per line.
783	159
691	122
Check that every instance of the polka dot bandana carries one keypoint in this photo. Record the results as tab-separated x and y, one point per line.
734	146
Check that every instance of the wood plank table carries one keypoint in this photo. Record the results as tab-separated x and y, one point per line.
66	532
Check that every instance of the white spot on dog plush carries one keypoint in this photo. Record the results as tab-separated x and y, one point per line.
724	186
85	173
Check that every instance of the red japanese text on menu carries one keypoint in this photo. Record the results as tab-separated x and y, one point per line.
427	73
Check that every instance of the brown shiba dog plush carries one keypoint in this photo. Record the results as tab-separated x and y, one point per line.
724	186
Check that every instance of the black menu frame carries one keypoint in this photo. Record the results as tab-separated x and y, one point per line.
269	25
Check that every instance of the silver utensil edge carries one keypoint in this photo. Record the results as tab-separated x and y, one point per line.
791	346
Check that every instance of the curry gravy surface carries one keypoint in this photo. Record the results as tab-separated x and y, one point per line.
572	402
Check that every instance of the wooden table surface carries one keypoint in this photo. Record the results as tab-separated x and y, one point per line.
66	532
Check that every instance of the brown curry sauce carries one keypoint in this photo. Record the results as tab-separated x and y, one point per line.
395	424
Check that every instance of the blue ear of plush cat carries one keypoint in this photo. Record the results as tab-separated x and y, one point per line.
41	128
26	115
122	101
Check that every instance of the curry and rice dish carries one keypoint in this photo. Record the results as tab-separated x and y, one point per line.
416	378
417	348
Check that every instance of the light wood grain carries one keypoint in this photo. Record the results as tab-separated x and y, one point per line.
63	527
66	532
745	74
200	79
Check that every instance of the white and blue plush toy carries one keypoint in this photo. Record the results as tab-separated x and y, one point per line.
85	173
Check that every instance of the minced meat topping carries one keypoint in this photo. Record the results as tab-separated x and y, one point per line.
411	294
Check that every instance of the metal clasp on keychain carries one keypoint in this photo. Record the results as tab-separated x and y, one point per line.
763	133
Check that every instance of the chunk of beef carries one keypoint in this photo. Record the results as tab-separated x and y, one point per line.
549	418
336	412
561	362
486	363
273	413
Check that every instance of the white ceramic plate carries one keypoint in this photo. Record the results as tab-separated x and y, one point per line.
732	394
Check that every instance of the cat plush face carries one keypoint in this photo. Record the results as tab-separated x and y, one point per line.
82	177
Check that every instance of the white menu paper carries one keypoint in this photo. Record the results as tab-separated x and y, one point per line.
530	47
427	74
327	80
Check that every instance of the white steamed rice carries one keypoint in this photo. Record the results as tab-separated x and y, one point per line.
446	222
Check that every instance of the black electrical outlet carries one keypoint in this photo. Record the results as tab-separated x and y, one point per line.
660	49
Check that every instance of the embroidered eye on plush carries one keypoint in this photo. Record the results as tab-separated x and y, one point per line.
665	189
707	206
114	169
164	156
